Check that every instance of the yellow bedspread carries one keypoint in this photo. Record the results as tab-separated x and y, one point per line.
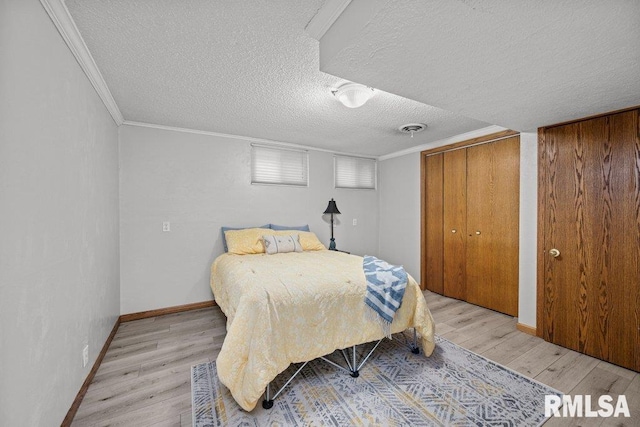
294	307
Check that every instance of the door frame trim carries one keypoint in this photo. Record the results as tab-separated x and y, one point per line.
542	214
423	200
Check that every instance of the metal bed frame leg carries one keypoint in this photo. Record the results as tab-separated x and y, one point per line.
267	403
355	371
415	349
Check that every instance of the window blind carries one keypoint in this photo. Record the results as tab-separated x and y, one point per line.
276	165
355	172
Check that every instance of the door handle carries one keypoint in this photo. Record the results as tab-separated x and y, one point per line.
453	231
554	253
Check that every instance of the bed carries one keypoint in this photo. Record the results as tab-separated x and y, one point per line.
295	307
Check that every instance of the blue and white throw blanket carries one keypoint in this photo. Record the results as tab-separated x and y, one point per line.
386	284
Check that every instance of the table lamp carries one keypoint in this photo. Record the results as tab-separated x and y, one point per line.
332	209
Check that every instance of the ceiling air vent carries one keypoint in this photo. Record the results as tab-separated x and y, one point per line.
412	128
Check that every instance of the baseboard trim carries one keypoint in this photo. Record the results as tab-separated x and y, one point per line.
527	329
92	373
169	310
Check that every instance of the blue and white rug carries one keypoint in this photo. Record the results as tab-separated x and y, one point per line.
453	387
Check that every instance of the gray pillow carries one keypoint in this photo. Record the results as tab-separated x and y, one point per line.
286	227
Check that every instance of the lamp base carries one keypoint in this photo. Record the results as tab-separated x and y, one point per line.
332	245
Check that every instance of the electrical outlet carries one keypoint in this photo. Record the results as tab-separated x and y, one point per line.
355	221
85	355
166	226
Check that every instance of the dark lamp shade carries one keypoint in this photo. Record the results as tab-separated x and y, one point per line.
332	208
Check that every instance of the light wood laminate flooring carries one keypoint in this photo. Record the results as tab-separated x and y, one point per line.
145	379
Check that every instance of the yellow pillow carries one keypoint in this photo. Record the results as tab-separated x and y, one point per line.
247	241
308	239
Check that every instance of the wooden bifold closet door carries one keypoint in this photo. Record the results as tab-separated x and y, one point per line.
455	223
493	219
589	285
470	220
433	190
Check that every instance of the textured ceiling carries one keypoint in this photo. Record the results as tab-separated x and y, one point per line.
244	68
520	64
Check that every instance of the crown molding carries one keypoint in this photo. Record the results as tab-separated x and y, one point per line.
439	143
249	139
446	141
325	17
67	28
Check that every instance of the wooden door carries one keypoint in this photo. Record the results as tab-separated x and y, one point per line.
433	220
493	199
455	223
591	190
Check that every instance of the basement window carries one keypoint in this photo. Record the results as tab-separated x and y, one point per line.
279	166
355	172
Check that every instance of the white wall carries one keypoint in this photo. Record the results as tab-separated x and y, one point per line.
400	218
202	182
59	276
400	212
528	228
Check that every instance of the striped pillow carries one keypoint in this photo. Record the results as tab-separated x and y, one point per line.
281	244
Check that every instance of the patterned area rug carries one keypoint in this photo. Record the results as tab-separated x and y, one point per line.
453	387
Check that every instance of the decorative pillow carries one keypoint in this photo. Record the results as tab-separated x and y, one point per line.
247	241
281	244
224	239
308	239
285	227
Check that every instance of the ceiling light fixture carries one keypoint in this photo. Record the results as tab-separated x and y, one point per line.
412	128
353	95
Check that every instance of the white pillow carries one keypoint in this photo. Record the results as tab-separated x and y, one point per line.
281	244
